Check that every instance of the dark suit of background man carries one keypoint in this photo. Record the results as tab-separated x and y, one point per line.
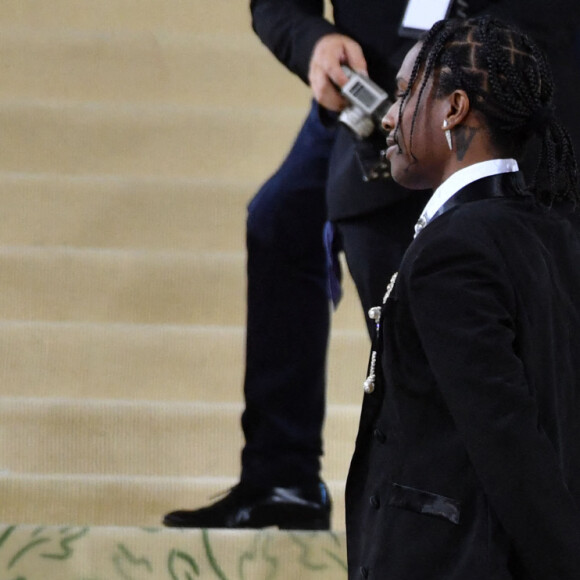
288	276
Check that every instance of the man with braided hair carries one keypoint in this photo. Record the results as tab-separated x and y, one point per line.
474	379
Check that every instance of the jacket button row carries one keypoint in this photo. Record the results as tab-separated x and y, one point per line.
375	502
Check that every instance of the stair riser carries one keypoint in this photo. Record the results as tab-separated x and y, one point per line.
190	142
150	362
156	214
136	287
148	67
63	285
132	501
191	17
190	440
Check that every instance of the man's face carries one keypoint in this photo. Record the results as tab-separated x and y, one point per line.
416	158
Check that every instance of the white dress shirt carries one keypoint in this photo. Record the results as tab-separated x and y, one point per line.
458	181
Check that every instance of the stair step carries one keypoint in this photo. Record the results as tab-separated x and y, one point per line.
121	553
119	286
241	143
110	437
81	500
150	362
117	212
188	16
145	67
64	284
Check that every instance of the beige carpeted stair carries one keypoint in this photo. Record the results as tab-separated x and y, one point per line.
134	133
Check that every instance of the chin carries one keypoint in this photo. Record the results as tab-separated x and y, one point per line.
402	177
407	176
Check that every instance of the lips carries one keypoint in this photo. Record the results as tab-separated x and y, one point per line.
391	144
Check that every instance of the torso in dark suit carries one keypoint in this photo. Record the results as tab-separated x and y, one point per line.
467	463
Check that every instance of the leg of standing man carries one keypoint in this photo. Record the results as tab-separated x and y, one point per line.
288	323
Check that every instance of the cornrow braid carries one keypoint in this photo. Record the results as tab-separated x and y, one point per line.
507	78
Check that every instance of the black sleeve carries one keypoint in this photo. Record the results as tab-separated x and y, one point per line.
290	29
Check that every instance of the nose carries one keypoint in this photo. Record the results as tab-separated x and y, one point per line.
389	121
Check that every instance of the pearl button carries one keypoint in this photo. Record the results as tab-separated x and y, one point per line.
369	385
375	313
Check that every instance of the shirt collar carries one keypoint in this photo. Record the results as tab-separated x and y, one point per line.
458	181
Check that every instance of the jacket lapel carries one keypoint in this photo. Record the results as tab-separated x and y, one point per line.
502	185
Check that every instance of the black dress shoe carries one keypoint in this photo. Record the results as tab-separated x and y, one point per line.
288	508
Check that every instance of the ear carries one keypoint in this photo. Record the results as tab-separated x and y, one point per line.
457	108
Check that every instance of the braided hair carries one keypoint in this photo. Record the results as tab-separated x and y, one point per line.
508	80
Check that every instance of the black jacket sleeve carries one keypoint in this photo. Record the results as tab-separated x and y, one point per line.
290	29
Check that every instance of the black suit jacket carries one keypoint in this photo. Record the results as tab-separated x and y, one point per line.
467	461
291	28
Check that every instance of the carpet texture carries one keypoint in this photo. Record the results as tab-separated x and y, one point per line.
133	136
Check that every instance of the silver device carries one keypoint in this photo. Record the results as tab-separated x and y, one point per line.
368	103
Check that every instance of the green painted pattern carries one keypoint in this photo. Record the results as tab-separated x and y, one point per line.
109	553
